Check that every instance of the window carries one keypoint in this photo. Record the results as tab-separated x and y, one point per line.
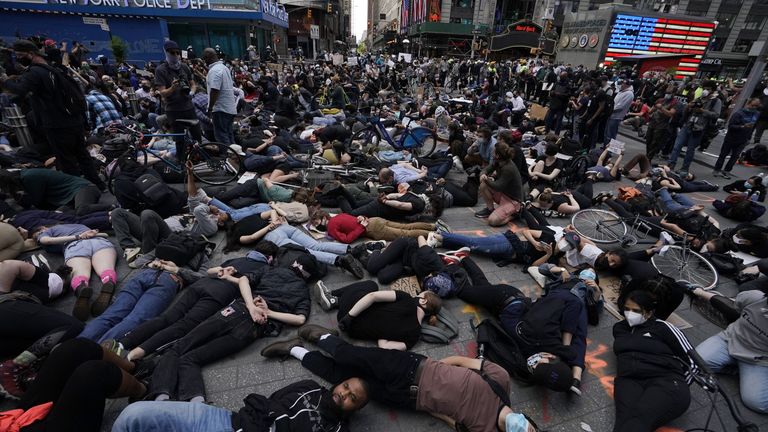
755	22
742	45
725	19
697	8
382	16
717	44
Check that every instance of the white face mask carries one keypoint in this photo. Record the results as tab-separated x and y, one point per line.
634	319
736	239
704	249
563	245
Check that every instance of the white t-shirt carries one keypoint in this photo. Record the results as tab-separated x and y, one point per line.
587	255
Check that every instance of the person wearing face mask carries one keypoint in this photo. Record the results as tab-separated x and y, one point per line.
63	123
696	116
660	116
751	186
740	129
652	375
173	80
145	91
749	239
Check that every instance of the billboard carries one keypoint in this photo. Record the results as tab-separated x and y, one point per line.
639	35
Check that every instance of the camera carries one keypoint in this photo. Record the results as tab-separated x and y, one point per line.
183	84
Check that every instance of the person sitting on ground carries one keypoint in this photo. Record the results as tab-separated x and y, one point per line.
753	186
47	189
545	171
501	188
363	311
451	389
741	345
65	393
653	366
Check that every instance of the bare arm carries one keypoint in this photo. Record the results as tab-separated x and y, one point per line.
398	204
393	345
288	318
461	361
615	168
567	338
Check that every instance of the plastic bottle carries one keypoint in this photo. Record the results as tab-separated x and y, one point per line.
755	196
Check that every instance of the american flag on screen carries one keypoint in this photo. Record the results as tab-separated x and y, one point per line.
637	35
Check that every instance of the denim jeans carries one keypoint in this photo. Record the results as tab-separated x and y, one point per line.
679	203
495	245
554	120
611	129
223	127
753	379
241	213
141	298
325	252
688	139
173	417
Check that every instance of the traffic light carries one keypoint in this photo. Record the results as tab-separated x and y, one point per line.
330	8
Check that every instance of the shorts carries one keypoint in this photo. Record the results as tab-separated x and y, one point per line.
86	248
506	207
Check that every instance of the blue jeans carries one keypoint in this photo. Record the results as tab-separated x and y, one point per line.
679	203
753	379
611	129
223	127
173	417
495	245
554	120
241	213
145	296
688	139
325	252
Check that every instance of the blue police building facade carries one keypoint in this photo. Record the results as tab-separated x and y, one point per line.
145	24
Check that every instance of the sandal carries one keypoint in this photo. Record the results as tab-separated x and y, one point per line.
103	300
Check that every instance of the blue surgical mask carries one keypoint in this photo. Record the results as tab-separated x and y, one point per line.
587	274
747	185
516	423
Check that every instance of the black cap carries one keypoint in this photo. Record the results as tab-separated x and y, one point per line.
554	376
171	45
23	45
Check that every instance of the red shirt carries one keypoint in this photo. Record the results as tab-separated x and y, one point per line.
345	228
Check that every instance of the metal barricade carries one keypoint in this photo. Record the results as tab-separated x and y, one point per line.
18	123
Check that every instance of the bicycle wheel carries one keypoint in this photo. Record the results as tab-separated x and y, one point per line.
215	164
112	170
600	226
684	264
421	141
365	139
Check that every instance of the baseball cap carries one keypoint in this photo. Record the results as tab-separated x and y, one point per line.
170	45
49	42
572	239
554	376
510	95
440	284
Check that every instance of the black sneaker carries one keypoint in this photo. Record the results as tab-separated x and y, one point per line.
82	309
358	250
484	213
352	265
576	387
325	299
375	245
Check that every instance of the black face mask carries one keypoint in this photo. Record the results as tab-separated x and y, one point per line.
24	61
145	88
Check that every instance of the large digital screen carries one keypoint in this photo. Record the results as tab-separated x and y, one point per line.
637	35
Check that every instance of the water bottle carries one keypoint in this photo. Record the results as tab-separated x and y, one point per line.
755	196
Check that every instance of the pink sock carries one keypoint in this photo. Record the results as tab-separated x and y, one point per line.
77	280
108	276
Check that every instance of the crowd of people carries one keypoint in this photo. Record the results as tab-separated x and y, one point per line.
148	337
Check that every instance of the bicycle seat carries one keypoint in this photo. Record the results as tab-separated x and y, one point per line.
187	123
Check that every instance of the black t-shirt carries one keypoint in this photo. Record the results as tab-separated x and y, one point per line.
594	104
425	261
396	321
249	225
333	133
178	101
558	200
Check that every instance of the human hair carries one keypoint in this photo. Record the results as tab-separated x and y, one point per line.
503	152
645	299
504	136
753	234
720	244
302	195
551	149
386	175
545	197
484	131
64	271
756	180
266	248
319	215
622	254
433	303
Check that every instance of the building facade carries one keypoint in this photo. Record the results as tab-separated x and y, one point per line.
145	24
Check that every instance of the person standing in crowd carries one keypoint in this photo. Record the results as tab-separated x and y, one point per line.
660	115
222	104
762	121
59	109
558	103
173	79
740	128
621	104
695	119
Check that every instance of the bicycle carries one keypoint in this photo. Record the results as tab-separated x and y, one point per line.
679	261
420	141
213	163
320	170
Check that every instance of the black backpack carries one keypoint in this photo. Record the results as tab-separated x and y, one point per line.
180	247
154	190
69	96
498	346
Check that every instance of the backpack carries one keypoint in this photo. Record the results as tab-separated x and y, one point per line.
180	247
289	253
628	192
445	329
69	97
153	189
498	346
724	263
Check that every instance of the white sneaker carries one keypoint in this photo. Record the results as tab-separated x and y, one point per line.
457	163
130	254
432	240
663	250
666	238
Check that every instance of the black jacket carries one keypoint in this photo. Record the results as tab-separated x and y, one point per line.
282	289
297	407
653	349
37	83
